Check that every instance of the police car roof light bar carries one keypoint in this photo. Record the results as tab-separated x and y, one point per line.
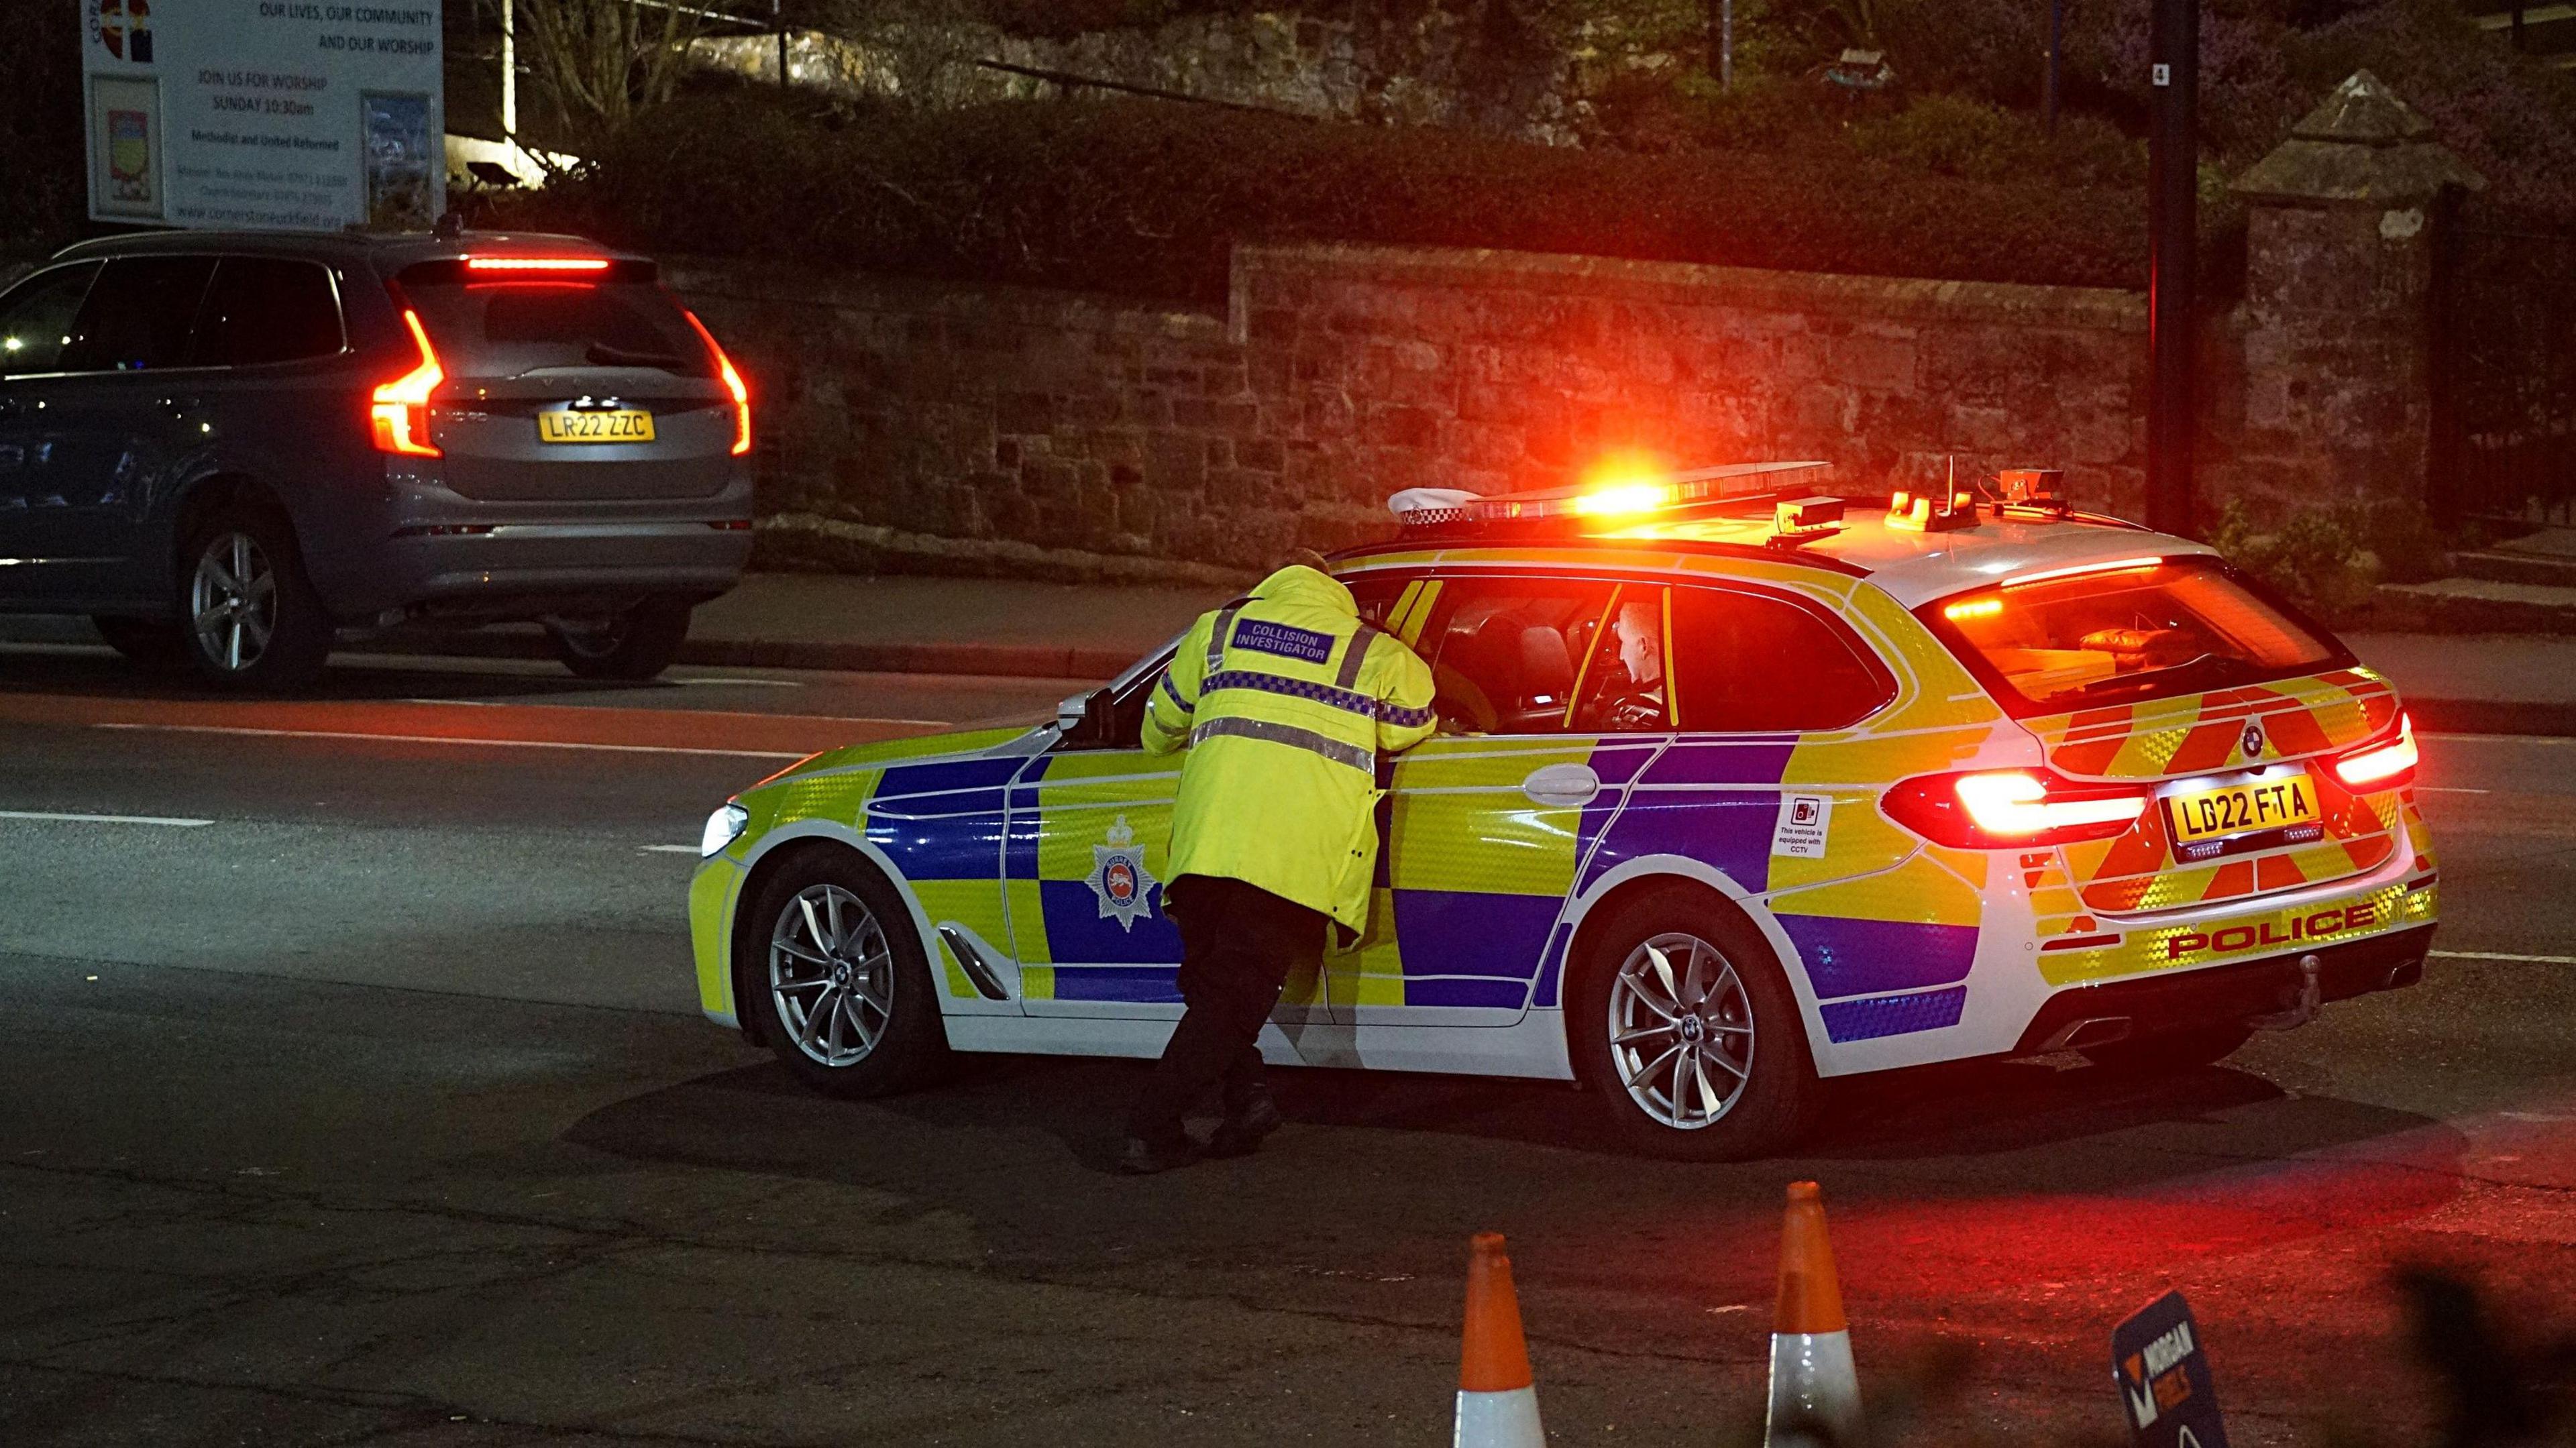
1654	497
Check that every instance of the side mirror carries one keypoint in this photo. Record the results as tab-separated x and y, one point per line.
1070	714
1082	721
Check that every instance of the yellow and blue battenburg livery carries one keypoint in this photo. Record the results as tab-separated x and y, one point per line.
1727	798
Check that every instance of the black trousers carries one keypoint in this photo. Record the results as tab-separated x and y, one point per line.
1239	943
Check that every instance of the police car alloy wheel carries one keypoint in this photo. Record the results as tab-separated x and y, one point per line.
1684	1024
839	978
831	975
1681	1031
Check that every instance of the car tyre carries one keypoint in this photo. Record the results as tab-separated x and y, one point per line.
837	973
2169	1053
149	644
249	618
632	646
1743	1079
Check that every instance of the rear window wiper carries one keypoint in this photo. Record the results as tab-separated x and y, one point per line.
603	355
2218	666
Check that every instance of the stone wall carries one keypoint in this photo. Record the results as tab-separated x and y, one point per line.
987	428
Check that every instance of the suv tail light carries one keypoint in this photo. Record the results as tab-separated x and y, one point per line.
400	412
2388	764
1997	809
733	384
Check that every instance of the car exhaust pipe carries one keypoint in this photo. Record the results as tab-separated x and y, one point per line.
2091	1031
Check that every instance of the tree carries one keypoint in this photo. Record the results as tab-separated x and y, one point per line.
599	62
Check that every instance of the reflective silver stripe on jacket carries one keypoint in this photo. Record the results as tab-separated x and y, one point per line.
1363	760
1353	656
1216	635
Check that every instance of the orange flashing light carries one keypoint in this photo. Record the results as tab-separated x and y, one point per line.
2117	565
536	263
733	384
399	410
1974	608
1622	498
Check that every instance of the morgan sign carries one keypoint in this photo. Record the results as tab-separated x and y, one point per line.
309	115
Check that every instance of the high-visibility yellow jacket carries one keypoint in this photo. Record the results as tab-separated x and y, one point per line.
1284	700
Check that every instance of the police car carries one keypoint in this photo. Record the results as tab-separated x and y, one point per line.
1737	789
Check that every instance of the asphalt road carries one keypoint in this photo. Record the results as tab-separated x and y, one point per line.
372	1109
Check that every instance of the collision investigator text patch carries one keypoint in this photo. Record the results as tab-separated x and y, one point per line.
1278	638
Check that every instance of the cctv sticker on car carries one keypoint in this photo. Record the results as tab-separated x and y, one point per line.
1800	830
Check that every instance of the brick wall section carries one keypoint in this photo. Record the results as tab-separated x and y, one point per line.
1013	428
1493	370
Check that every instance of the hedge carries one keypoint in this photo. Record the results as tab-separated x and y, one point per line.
1149	197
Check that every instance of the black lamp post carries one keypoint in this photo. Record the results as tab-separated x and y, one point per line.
2173	219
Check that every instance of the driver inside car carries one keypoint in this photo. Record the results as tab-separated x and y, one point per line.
1627	689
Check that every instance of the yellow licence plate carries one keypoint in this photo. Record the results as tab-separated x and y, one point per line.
625	425
2236	809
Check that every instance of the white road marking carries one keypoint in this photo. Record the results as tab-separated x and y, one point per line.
667	849
738	683
98	819
443	739
2502	955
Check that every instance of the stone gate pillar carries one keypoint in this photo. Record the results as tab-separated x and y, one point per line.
2337	322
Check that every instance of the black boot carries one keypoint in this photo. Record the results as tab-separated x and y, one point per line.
1140	1157
1242	1131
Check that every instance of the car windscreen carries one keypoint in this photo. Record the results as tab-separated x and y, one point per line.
2126	634
507	328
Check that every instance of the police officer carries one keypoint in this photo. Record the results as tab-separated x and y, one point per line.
1284	700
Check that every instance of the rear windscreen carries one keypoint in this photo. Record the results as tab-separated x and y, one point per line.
2122	635
503	329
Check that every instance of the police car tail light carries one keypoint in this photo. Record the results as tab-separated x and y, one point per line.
2009	808
733	384
399	411
2389	765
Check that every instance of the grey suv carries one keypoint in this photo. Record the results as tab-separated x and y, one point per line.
226	447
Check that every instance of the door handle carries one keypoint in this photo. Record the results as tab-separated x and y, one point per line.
1562	785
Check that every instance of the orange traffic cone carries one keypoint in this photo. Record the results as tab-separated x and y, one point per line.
1497	1401
1815	1394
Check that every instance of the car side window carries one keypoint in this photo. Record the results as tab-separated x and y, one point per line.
266	309
137	317
1546	656
1626	685
1125	725
1748	661
36	318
